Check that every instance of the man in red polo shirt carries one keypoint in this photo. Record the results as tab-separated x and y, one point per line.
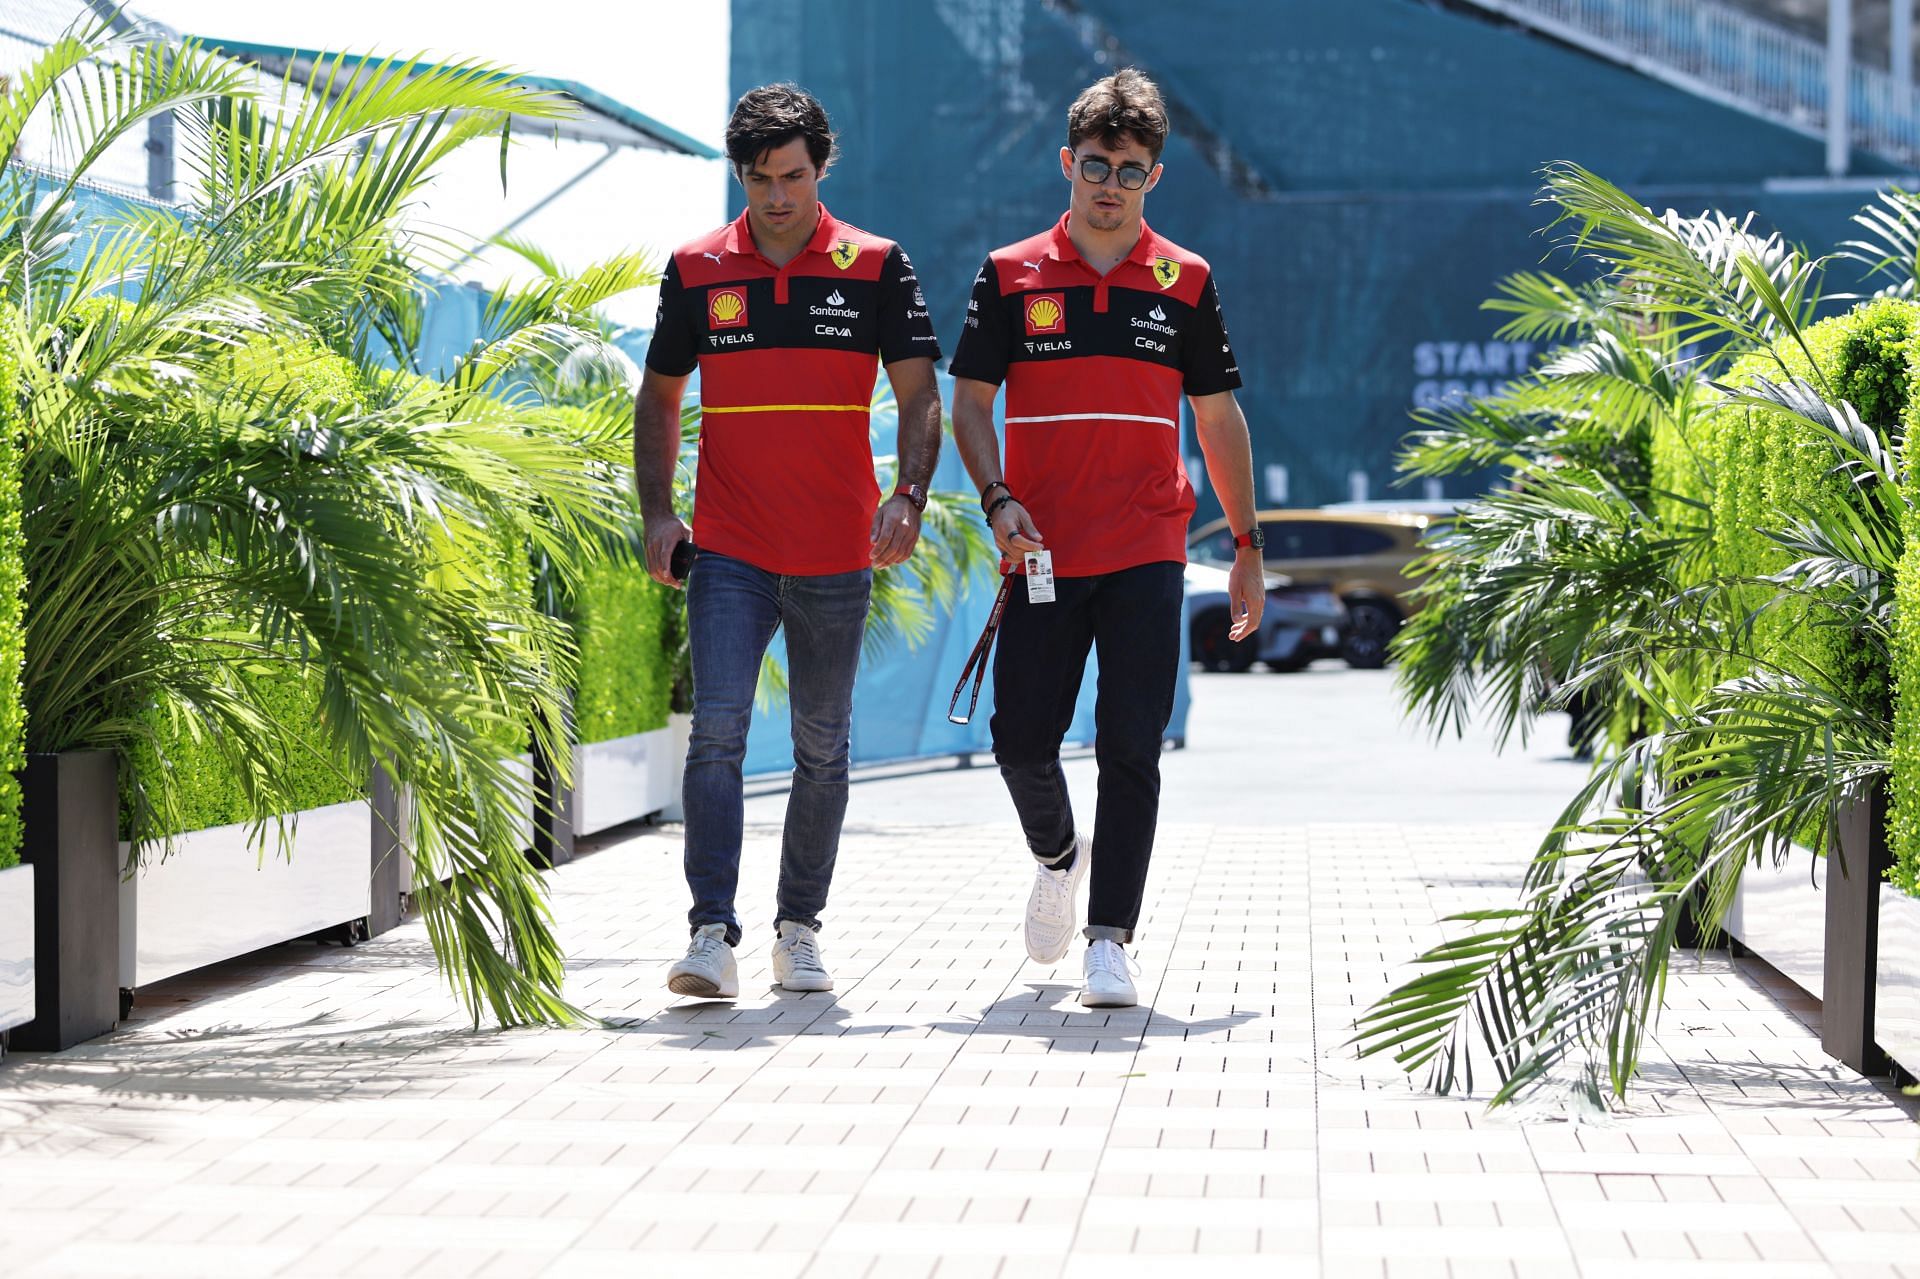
1098	326
787	312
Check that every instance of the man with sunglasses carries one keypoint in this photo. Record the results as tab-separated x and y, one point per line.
1098	326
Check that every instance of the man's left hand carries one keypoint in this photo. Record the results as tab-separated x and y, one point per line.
896	527
1246	593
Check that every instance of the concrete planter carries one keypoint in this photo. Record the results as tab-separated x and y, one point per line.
219	896
674	765
625	779
16	947
1779	914
70	811
1818	920
1897	1015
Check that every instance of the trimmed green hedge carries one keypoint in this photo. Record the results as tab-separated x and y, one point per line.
13	715
1904	819
1765	467
621	618
308	374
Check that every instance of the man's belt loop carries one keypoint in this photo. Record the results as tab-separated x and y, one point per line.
977	660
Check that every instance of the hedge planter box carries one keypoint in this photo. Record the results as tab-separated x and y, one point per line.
624	779
16	946
1821	926
219	896
70	808
680	725
1779	914
1897	1014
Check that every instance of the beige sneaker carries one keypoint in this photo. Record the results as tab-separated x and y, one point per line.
707	971
797	965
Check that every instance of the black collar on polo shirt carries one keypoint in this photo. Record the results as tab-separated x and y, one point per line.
1060	246
740	240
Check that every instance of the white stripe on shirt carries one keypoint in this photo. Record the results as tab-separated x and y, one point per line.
1104	417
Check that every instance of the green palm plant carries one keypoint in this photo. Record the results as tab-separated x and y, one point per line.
1572	975
1740	749
191	524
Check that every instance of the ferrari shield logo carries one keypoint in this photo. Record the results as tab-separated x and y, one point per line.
846	251
1167	271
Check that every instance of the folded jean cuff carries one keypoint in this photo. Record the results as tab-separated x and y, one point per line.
1106	932
733	930
809	922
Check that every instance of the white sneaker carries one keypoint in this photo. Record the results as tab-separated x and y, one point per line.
1108	983
1052	915
707	970
796	959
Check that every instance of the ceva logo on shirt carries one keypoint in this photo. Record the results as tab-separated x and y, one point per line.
727	309
1046	313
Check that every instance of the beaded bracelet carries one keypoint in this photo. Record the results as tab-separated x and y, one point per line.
999	502
995	484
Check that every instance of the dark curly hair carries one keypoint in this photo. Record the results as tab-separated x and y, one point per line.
1125	103
773	115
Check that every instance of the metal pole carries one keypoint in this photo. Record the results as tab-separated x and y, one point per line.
544	201
1901	55
160	157
1839	77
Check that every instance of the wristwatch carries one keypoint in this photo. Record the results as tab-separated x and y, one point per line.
1253	537
915	493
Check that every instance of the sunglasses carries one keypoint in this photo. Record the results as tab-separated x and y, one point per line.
1132	176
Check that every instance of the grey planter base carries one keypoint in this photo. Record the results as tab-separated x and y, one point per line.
70	811
1819	921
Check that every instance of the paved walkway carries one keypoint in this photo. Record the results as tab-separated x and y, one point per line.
950	1111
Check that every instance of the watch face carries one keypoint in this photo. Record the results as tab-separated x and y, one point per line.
1256	538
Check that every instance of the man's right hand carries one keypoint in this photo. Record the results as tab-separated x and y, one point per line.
663	535
1013	531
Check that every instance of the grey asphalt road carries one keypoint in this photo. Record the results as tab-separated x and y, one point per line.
1327	744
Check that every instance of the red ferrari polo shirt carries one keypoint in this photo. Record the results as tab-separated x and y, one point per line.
1094	368
787	359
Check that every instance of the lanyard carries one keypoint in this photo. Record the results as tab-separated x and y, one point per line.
977	660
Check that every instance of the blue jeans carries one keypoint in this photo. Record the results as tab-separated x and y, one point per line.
733	609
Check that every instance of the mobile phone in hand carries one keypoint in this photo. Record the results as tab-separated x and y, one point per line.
682	562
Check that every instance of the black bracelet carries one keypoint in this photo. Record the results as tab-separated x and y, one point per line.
996	484
999	502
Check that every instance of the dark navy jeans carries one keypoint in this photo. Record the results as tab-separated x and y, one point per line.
1131	618
733	610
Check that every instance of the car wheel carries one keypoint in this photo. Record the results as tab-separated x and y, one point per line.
1371	626
1215	650
1288	665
